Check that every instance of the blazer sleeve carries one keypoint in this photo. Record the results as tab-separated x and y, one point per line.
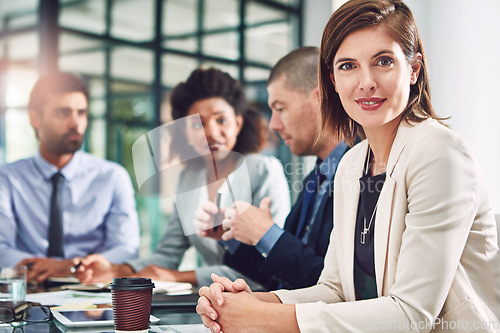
327	290
294	264
291	263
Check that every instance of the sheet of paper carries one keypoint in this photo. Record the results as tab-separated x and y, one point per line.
74	306
65	297
65	279
86	287
171	287
192	328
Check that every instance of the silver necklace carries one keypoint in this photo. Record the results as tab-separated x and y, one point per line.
366	229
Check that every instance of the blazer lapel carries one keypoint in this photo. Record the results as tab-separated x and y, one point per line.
398	146
346	208
382	227
384	211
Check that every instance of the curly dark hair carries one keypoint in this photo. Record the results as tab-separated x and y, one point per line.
212	82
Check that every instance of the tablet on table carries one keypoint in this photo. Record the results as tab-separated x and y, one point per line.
90	318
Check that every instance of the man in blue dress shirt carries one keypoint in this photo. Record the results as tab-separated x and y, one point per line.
95	205
291	257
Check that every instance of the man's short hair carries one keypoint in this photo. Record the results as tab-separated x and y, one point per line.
300	68
55	83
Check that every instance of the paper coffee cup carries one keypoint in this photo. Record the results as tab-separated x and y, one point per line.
131	304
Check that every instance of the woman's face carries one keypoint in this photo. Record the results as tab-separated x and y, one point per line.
373	78
219	125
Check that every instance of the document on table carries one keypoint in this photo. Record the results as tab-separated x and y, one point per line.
191	328
172	287
160	287
66	297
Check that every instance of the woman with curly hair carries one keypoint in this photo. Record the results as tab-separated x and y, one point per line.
218	144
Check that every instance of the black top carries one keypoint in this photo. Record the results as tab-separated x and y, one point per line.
364	260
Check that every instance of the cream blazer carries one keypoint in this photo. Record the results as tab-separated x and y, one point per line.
437	261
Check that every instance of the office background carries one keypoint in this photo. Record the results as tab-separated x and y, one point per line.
132	52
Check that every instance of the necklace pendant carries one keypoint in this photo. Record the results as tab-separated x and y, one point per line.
363	237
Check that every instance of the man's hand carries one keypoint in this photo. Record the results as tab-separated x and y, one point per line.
40	269
205	221
212	298
96	268
247	223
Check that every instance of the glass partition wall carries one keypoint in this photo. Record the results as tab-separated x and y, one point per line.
132	53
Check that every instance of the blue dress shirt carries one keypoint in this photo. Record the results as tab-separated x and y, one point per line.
99	210
328	168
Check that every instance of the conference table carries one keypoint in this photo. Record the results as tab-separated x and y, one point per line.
171	320
178	315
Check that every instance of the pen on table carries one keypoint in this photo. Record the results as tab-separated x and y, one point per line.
74	268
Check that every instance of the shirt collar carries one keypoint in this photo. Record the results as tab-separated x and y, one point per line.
329	165
47	169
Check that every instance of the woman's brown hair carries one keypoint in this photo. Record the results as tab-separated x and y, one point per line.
398	21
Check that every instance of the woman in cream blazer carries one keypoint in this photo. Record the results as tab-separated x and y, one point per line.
435	255
436	252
